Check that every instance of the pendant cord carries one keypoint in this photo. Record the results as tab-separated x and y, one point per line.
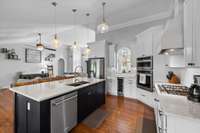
55	17
103	4
75	32
40	38
87	19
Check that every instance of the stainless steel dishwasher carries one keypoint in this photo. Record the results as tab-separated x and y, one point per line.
64	113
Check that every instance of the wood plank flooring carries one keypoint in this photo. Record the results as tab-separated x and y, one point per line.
122	118
6	111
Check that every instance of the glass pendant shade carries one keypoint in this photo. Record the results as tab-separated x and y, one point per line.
88	50
40	46
75	46
56	42
103	27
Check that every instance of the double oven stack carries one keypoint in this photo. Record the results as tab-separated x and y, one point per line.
145	73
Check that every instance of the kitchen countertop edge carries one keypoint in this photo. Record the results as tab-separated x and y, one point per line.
18	91
175	112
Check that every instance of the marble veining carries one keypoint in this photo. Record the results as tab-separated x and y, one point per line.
44	91
178	105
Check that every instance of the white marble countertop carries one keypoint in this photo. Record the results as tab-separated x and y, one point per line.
44	91
178	105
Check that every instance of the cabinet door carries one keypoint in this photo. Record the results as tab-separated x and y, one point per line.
156	40
130	88
197	33
188	32
112	86
112	56
145	97
144	43
92	98
33	117
98	49
148	44
140	47
83	105
20	114
100	93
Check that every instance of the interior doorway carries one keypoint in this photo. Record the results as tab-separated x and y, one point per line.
61	66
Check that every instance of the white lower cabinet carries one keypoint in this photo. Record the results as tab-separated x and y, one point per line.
181	124
145	97
185	125
130	90
172	123
112	86
130	87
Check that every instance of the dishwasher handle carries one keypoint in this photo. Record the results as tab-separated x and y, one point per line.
64	100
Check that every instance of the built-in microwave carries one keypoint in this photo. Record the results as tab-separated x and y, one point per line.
145	63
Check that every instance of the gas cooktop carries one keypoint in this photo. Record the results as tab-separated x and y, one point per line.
174	89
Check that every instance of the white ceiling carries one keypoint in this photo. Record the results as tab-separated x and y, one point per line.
22	19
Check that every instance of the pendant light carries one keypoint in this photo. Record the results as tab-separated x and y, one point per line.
103	27
39	45
56	41
75	45
88	50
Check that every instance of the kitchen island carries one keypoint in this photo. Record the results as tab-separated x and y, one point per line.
56	106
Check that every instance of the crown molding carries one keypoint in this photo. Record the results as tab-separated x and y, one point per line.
155	17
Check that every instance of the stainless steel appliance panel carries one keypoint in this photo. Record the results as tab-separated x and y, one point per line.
96	68
64	113
148	85
145	63
145	72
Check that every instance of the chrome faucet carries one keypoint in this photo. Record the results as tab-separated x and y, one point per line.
77	74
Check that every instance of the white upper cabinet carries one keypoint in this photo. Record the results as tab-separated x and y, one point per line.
98	49
188	32
148	42
144	43
197	33
192	33
112	55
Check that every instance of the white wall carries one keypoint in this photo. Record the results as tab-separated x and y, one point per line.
10	68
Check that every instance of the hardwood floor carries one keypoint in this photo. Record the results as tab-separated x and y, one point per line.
122	118
6	111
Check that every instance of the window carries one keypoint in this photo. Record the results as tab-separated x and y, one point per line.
123	60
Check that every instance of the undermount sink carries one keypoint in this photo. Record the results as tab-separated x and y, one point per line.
78	83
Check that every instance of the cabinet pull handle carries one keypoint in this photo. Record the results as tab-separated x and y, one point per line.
161	113
64	100
160	130
165	123
156	100
191	64
28	106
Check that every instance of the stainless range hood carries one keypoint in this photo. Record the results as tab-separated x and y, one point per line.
172	38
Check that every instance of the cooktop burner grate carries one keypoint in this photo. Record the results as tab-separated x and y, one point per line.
174	90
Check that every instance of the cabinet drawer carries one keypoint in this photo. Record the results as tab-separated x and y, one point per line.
145	97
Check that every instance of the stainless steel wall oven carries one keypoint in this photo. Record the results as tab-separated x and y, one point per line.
145	73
